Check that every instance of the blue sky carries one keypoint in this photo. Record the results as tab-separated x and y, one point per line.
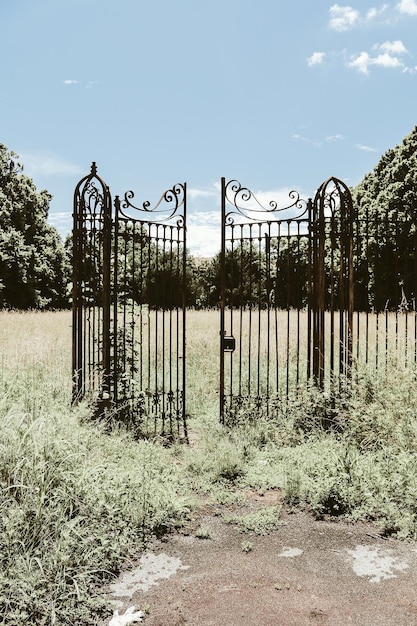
279	95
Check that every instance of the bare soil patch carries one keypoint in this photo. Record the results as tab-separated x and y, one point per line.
305	571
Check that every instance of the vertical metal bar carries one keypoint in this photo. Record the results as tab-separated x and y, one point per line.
77	251
334	239
150	269
268	291
367	290
289	286
176	279
258	266
222	295
126	339
242	283
250	310
163	329
156	339
297	277
139	277
277	296
184	315
107	236
116	301
232	304
321	293
351	274
310	278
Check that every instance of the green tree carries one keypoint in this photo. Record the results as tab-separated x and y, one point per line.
386	201
34	269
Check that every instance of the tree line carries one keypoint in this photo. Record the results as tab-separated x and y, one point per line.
36	266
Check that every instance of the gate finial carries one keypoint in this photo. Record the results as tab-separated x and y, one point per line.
93	168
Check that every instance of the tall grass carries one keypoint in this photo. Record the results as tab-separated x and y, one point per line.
79	503
75	503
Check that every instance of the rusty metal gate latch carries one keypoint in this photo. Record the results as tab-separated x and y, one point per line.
229	343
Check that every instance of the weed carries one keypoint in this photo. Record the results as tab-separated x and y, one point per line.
203	533
260	522
247	546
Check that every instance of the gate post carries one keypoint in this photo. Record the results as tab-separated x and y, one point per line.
91	239
332	281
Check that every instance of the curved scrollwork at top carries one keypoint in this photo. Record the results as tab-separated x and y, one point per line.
334	197
167	208
241	202
92	197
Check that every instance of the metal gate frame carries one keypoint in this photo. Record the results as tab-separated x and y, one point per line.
320	233
302	262
149	393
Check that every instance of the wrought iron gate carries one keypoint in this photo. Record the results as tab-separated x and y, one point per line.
286	296
306	292
129	285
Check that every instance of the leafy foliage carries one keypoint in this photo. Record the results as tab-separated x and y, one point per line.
386	202
34	270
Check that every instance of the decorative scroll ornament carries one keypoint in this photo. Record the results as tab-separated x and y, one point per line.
166	208
243	203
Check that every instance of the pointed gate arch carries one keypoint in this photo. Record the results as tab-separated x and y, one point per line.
332	294
92	225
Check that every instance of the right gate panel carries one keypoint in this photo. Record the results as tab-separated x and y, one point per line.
265	329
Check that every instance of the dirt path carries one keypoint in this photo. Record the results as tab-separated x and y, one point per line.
304	572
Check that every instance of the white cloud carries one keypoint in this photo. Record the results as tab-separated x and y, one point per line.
316	58
62	221
343	18
88	85
386	60
195	194
298	137
203	233
48	164
389	57
332	138
392	47
360	146
373	12
361	63
409	7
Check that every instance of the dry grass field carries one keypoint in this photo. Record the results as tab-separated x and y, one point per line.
78	500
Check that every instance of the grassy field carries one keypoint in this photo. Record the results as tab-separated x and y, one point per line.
78	503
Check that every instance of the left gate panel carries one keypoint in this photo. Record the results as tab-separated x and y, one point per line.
149	314
91	241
